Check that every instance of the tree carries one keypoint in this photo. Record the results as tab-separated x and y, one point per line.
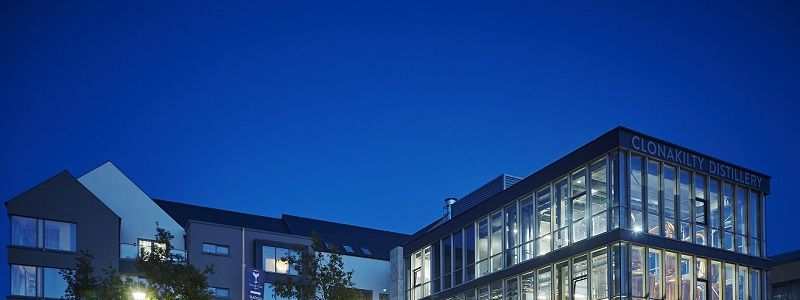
83	284
320	275
167	276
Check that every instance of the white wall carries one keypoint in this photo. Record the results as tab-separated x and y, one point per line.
368	273
138	212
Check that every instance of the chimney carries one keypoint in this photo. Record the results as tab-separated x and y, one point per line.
448	207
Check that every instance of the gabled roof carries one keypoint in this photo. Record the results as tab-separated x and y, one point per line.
377	242
183	212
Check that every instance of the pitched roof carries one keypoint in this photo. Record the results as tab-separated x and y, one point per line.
377	242
183	212
785	257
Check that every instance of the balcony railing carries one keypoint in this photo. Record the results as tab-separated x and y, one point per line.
131	252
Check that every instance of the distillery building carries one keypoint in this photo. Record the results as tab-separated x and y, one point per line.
626	216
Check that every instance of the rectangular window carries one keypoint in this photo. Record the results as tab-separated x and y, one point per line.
23	281
24	232
483	248
671	282
653	192
636	183
743	292
268	254
483	293
512	233
458	258
655	273
544	218
220	292
741	210
753	209
686	195
497	241
59	236
715	280
273	260
580	278
560	210
53	284
669	184
209	248
497	290
727	206
561	280
578	205
714	203
544	283
447	262
600	274
686	278
528	282
435	266
527	235
599	197
638	288
755	283
730	282
469	253
512	292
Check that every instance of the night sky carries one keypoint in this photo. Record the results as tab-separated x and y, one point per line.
372	112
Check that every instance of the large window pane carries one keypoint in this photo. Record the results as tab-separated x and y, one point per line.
578	199
636	183
753	209
715	280
743	292
741	210
714	203
512	232
638	255
580	278
497	241
544	283
653	197
544	218
730	282
469	253
54	285
435	266
59	236
528	284
511	289
497	291
458	257
727	206
447	262
527	235
483	248
655	273
24	231
686	278
560	210
600	274
755	284
561	285
671	283
669	201
685	195
599	197
23	280
268	253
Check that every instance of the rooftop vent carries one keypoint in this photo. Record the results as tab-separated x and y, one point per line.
486	191
448	207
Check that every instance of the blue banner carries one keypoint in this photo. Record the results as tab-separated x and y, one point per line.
254	285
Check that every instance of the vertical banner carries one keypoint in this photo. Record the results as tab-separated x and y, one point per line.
254	285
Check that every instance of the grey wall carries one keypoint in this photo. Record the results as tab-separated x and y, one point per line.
63	198
228	269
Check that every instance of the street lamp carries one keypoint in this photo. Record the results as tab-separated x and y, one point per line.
139	295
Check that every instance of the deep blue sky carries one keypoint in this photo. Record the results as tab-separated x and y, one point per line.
372	112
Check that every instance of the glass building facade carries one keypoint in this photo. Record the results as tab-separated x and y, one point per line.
627	223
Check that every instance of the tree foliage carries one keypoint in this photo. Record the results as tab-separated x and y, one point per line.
167	276
320	275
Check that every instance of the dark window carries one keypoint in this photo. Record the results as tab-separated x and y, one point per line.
209	248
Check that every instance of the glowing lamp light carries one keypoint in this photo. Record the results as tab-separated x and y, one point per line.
139	295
